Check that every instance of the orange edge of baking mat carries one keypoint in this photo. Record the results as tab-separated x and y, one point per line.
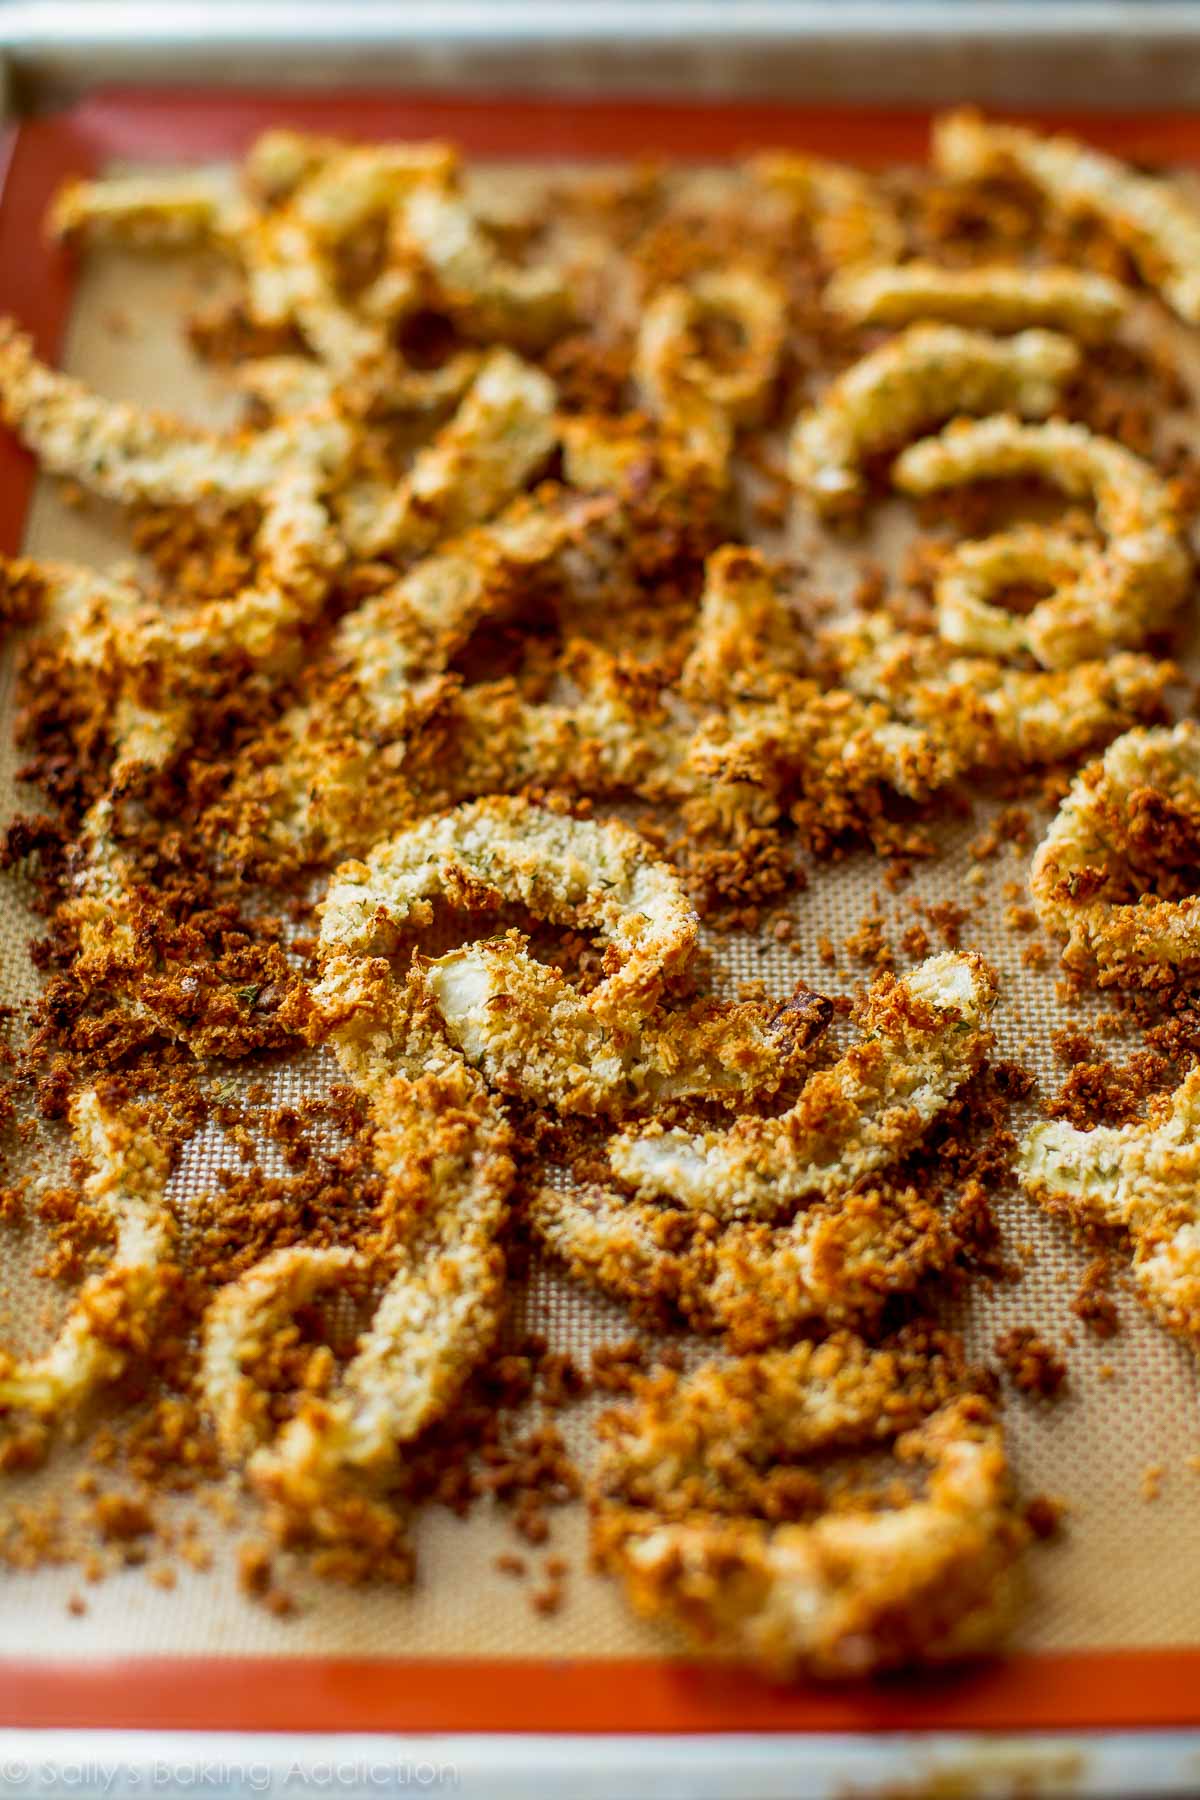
1075	1690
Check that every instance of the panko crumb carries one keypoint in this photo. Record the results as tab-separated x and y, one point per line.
1033	1366
1094	1303
1044	1514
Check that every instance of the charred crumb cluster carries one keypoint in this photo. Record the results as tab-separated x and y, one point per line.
501	559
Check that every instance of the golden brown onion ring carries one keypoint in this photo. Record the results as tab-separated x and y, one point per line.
686	1509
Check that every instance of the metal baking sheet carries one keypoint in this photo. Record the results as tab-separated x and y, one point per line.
1101	54
1158	1688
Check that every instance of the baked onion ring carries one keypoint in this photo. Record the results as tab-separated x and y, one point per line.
1000	298
838	1261
521	1022
1122	821
443	1148
113	1315
286	249
853	220
1119	595
126	453
746	635
1156	223
700	401
488	295
502	433
1142	1180
925	1034
913	382
167	209
982	714
702	1509
334	774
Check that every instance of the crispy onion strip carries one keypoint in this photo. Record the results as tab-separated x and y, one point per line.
751	1283
502	433
925	1035
491	297
1122	593
444	1151
912	383
128	454
1140	1179
1156	223
168	209
1110	836
983	714
699	400
686	1515
854	221
113	1316
1003	298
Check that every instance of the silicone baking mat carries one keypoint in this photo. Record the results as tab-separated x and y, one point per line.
1110	1632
